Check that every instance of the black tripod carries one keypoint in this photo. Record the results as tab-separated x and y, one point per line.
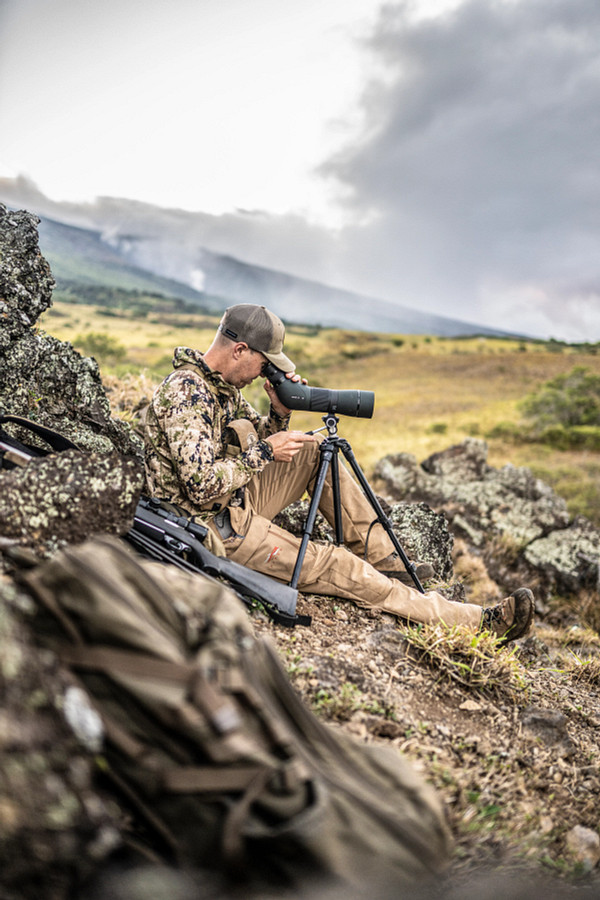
329	451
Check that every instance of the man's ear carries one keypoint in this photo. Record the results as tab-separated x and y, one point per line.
238	349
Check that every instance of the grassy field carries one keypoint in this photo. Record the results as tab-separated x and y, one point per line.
430	392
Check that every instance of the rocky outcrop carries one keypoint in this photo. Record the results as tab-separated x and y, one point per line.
56	827
69	497
503	514
42	378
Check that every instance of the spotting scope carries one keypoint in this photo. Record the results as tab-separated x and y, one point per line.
296	395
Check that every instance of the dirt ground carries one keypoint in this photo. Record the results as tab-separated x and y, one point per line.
513	753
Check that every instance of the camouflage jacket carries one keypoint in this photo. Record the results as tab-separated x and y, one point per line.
186	436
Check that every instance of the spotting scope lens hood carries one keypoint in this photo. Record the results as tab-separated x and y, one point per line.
296	395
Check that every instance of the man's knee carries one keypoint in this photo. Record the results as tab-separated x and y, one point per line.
311	449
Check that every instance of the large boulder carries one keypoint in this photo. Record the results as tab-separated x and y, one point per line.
42	378
568	557
66	498
422	533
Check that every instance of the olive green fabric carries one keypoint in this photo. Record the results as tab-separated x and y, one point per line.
230	769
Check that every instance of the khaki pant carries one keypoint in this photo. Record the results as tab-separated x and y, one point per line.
327	569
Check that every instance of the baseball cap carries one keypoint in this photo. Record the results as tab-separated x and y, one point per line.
261	329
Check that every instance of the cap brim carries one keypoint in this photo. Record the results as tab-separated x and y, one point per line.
280	360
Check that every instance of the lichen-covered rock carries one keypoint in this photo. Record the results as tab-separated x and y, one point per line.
462	462
422	533
516	521
26	281
569	558
401	477
293	519
481	501
55	828
42	378
69	496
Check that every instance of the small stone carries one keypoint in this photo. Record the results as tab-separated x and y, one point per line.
584	845
84	720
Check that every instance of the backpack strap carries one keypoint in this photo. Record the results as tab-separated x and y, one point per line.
240	435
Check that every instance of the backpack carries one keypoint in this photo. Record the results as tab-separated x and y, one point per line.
220	762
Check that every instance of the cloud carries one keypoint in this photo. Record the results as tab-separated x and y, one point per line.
471	183
476	184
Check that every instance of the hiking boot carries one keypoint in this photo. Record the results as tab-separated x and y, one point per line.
511	618
393	567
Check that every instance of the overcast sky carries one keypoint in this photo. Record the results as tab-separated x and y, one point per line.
444	155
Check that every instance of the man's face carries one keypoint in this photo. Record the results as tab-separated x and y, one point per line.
248	367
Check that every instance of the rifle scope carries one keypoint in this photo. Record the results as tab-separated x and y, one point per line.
296	395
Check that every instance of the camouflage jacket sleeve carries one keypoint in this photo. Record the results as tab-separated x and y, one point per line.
193	421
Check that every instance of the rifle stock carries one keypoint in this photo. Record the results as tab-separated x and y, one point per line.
165	535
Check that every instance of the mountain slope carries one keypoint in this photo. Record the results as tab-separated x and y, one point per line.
81	256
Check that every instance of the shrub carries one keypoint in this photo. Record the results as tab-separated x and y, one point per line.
101	346
506	431
569	399
578	437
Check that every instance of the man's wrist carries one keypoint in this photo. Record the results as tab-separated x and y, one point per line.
281	417
267	451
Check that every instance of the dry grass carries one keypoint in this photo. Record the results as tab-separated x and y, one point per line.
129	394
583	671
471	571
475	661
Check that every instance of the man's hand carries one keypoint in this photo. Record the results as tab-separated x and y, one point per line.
276	403
287	443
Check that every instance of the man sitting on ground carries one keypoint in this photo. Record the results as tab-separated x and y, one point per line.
211	453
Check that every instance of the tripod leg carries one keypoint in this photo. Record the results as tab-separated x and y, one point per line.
381	516
337	506
327	453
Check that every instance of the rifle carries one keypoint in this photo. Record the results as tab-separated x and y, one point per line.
161	533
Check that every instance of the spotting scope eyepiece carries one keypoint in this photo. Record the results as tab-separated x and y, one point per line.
296	395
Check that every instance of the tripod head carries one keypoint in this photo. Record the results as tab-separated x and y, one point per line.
331	424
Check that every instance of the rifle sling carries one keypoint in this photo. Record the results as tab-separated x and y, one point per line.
57	441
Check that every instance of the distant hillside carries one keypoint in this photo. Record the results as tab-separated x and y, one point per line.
79	256
160	263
